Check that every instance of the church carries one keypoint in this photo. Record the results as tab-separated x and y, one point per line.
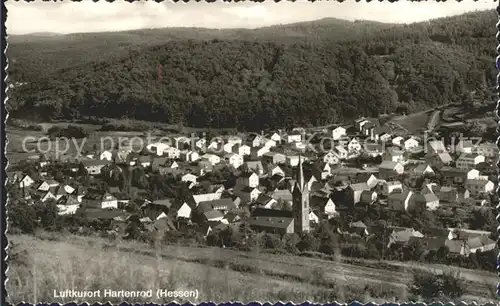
286	221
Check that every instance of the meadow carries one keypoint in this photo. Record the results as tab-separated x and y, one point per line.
91	263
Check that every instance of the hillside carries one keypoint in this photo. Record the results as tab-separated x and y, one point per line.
311	73
92	263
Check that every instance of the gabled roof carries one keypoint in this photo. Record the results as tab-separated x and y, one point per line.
226	203
271	222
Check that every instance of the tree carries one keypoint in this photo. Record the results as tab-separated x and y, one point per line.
22	216
476	128
47	213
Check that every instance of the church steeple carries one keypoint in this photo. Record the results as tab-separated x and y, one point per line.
300	181
301	201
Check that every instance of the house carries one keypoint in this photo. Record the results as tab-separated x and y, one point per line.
255	166
276	137
242	150
330	158
465	146
157	209
458	176
422	170
198	198
189	177
292	160
213	216
223	205
427	201
258	152
228	147
477	187
438	160
391	187
354	191
358	123
399	201
189	156
487	149
275	225
48	184
94	167
435	147
411	144
480	243
107	155
338	133
325	206
212	158
294	136
201	144
265	201
367	178
394	154
144	161
247	194
359	228
67	205
282	195
398	141
448	194
385	137
469	161
157	148
341	152
368	197
99	199
354	146
402	236
273	170
373	149
249	179
26	181
322	170
254	140
269	143
274	158
313	218
233	159
390	169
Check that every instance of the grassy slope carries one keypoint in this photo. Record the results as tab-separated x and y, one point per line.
71	262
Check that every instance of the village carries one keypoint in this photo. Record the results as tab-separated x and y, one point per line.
281	184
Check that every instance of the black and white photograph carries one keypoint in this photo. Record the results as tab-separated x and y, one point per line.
246	152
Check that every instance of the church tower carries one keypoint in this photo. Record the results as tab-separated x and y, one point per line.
300	202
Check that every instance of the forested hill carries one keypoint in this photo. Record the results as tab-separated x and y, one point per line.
300	74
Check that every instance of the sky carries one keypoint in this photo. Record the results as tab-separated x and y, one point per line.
87	16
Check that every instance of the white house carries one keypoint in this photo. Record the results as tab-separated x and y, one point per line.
184	211
338	133
172	152
46	185
212	158
411	144
190	156
228	147
354	146
469	161
313	218
276	137
157	147
294	137
107	155
385	137
391	186
201	143
249	179
242	150
269	143
341	152
477	187
487	149
399	200
292	160
26	181
331	158
189	177
234	159
398	141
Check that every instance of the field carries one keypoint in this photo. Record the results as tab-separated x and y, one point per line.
72	262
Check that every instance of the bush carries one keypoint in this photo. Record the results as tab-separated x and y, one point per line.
429	285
